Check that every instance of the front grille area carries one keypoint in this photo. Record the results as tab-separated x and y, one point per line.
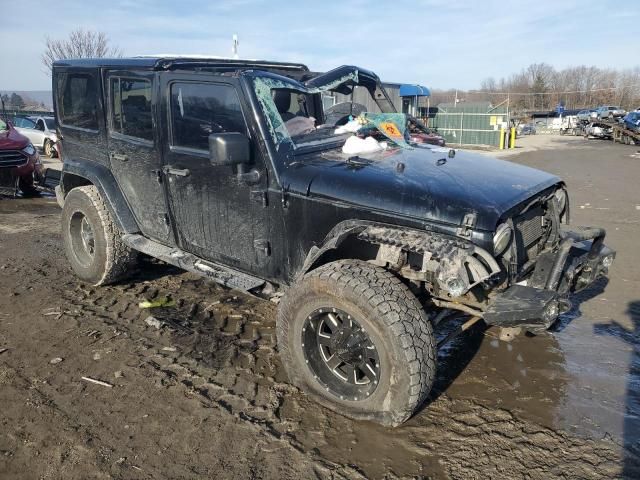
529	233
12	158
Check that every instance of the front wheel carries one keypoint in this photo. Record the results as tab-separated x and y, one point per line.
47	148
354	337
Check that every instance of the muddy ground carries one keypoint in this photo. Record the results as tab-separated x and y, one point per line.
205	395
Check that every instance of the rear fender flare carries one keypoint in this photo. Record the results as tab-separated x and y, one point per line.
75	174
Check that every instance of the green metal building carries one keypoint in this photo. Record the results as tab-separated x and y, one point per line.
469	123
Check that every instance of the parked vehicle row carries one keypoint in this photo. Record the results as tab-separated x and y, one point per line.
40	130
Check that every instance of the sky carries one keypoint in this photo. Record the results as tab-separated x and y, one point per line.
436	43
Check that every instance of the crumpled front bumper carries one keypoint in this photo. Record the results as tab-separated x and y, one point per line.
580	259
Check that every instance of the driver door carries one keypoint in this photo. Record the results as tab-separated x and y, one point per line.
215	214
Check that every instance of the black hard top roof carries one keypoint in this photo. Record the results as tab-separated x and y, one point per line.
178	63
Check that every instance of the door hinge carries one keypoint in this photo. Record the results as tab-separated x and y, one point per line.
158	176
260	196
262	246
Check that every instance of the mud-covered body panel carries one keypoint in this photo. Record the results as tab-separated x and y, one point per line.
428	186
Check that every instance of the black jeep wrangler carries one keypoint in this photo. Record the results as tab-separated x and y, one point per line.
230	169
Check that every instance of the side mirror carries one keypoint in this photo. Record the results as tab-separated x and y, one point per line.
228	149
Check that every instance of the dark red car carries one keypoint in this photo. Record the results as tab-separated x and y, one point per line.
19	160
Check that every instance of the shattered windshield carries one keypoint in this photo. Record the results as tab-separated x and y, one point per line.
297	114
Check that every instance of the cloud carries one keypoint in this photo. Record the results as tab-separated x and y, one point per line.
439	43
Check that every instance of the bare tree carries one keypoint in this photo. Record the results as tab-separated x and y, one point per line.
80	44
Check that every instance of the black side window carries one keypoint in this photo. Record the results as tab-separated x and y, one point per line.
198	110
131	107
78	106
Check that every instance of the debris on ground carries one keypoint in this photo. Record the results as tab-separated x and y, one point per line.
55	361
165	302
97	382
211	305
153	322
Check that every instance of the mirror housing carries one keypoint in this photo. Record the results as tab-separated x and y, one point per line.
228	149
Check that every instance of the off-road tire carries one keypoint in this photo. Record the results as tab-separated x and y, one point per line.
112	259
393	317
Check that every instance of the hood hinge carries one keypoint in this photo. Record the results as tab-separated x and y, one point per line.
468	224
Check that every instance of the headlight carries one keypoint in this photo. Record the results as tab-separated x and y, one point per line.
502	239
561	196
29	150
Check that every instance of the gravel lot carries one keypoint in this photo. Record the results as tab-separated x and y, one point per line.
205	395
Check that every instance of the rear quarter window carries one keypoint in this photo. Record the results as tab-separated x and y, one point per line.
78	100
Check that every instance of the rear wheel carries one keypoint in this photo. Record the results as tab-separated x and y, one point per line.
92	240
355	338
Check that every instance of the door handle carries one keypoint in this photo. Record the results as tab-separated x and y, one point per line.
119	156
180	172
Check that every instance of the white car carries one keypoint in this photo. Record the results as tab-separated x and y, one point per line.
41	131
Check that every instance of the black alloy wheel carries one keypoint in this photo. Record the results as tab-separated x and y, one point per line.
340	354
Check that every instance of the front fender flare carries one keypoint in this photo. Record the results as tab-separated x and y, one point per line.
334	238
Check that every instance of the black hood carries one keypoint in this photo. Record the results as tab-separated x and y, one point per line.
421	183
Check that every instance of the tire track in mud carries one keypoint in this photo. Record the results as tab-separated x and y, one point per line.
227	359
224	354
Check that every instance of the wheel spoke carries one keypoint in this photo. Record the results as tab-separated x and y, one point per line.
325	340
333	362
351	373
333	319
369	371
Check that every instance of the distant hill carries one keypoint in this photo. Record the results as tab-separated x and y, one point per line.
44	96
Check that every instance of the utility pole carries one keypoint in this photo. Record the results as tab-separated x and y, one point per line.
234	48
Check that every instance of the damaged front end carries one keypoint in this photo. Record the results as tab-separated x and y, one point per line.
579	260
527	285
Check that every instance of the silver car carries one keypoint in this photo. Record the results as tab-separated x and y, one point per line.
41	131
584	115
610	111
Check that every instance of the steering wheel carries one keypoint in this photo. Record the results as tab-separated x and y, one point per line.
339	113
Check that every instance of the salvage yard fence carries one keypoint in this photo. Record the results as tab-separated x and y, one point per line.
469	124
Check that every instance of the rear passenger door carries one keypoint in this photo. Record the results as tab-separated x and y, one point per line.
133	149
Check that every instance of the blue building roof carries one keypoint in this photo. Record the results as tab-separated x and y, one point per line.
407	90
